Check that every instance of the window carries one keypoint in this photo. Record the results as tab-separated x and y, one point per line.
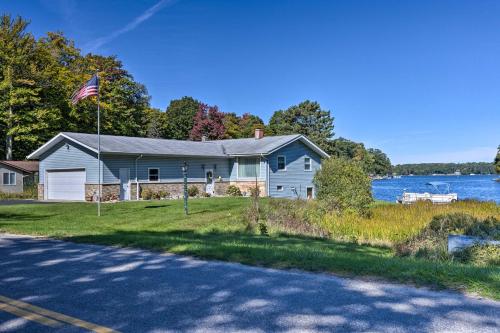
279	188
307	163
309	193
154	174
9	178
248	167
281	162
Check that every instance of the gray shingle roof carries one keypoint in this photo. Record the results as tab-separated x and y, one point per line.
147	146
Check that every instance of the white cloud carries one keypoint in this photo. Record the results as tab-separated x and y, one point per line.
97	43
477	154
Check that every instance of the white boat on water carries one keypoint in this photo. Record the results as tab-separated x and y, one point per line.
442	196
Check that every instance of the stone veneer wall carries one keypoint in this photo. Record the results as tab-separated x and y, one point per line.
112	191
246	185
176	190
108	191
40	191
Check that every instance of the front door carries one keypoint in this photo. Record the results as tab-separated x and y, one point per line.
124	184
210	182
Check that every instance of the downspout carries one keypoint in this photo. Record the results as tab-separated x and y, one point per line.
136	179
267	174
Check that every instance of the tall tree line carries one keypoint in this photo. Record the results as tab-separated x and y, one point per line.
444	168
497	161
38	76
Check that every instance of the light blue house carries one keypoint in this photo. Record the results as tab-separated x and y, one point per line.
281	166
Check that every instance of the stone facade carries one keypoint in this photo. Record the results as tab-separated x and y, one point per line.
221	188
108	192
40	191
175	190
245	186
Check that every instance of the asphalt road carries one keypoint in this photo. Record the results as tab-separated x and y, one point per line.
139	291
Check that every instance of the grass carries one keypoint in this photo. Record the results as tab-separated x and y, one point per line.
215	230
392	223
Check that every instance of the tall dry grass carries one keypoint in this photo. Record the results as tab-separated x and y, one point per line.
387	224
392	223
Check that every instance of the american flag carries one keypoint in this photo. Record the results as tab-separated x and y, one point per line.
90	88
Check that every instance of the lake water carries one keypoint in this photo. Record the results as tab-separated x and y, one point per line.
481	187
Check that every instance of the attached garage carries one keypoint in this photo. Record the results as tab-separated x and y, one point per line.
65	184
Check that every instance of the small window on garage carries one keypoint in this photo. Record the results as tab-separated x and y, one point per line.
279	188
281	162
307	164
9	178
154	174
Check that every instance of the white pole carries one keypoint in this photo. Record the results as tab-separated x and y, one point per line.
98	148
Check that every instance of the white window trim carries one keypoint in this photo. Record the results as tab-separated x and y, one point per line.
15	178
278	163
310	164
154	181
278	186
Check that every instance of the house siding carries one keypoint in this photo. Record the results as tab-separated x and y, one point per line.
170	168
68	155
18	187
294	176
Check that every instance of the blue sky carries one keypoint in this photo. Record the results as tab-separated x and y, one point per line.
417	79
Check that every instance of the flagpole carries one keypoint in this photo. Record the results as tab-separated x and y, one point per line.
98	147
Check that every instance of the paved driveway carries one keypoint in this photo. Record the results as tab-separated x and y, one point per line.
104	288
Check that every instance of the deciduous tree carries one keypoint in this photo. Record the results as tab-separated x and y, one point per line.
180	117
307	118
208	123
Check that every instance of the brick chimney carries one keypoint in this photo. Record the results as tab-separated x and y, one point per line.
259	133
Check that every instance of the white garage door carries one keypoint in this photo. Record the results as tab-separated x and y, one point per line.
66	185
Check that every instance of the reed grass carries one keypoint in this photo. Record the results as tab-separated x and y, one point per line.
393	223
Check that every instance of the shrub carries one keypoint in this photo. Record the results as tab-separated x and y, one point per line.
29	192
298	217
432	241
254	191
479	255
206	195
163	194
342	185
146	194
193	191
233	190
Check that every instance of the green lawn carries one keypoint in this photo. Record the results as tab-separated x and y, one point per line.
215	230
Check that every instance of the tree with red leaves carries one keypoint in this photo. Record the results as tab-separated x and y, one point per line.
208	122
